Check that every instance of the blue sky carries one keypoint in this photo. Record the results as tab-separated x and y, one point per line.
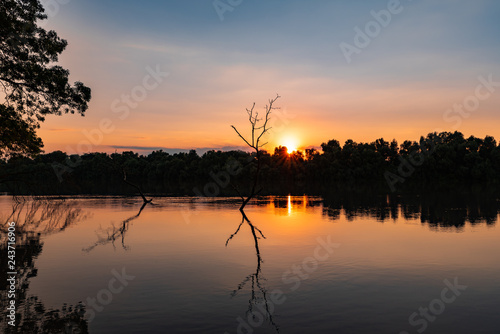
426	59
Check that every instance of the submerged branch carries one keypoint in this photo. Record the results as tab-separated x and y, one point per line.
136	187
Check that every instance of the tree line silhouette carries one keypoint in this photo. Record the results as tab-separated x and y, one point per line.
446	159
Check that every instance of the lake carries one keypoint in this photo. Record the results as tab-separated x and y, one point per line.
289	265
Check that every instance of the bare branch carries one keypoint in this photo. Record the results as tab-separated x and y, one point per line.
264	128
258	130
238	191
258	230
241	136
136	187
237	230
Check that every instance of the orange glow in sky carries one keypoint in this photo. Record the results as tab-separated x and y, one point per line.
290	143
182	88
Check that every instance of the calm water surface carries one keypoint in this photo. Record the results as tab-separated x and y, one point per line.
293	265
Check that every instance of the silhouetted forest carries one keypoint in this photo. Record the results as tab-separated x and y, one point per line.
446	160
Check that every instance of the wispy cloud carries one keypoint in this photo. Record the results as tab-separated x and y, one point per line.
199	150
166	48
427	59
62	129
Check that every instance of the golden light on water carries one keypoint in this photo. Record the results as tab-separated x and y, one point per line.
291	205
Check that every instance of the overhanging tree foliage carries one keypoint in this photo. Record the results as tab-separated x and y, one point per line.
17	135
33	86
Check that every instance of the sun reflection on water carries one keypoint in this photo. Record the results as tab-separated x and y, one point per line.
291	205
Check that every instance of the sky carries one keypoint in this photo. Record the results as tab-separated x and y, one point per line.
176	75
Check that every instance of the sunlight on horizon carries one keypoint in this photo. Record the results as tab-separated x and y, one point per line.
291	144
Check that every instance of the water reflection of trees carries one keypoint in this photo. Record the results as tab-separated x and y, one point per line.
111	234
34	219
258	302
438	210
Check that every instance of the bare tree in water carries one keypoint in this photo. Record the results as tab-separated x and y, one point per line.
259	127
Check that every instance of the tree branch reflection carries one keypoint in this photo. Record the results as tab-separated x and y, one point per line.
36	217
111	234
43	215
258	296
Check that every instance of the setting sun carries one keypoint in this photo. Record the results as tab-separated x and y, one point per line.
290	144
346	143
